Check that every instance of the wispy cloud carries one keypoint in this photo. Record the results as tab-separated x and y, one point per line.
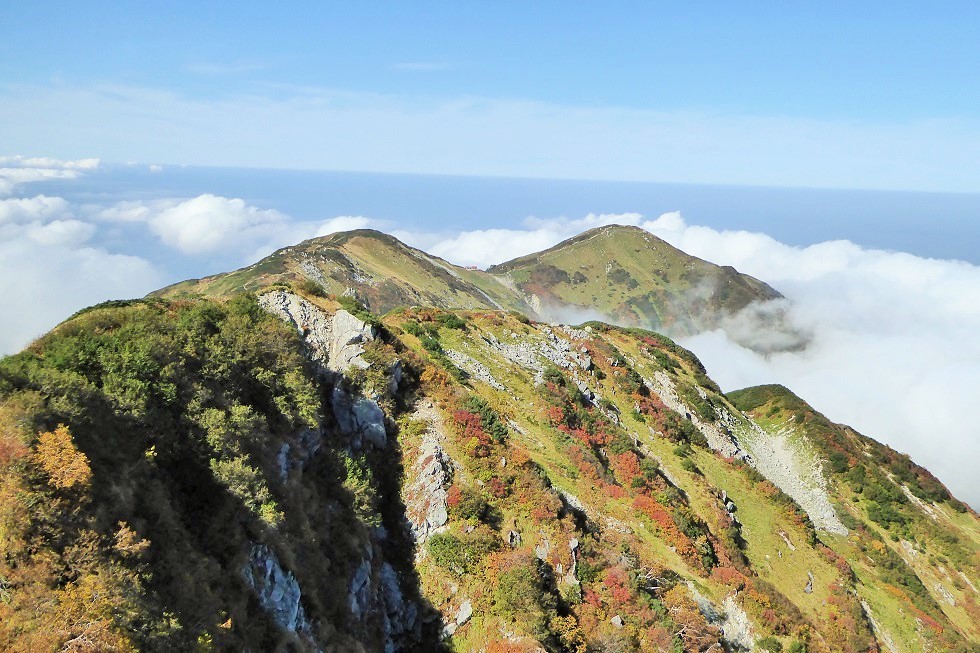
330	129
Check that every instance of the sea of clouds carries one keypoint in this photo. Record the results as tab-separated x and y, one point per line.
894	348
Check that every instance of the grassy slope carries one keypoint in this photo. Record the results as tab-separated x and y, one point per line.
629	273
766	524
931	540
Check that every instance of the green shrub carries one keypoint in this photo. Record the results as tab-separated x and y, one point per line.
357	309
461	555
310	287
522	596
451	321
770	644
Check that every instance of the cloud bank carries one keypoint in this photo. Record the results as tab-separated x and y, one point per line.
49	269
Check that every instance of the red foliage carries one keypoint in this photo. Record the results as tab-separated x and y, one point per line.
615	491
11	449
592	598
453	496
497	487
626	466
729	576
617	583
655	511
556	415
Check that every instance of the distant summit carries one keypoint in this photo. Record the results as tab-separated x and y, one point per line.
634	278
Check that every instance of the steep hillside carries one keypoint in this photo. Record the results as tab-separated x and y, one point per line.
914	549
289	472
634	277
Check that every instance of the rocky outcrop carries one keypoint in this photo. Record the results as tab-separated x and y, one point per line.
718	439
277	590
334	341
731	619
375	591
474	368
314	324
359	418
348	334
426	494
537	355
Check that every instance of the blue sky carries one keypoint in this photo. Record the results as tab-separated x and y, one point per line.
856	95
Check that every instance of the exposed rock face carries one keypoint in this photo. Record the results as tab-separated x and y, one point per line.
731	619
335	342
425	497
795	471
345	345
718	439
474	368
375	590
314	324
277	590
359	418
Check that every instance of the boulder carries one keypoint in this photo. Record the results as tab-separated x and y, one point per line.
464	613
347	335
359	418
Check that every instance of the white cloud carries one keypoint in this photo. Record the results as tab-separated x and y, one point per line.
894	354
18	170
208	222
19	161
32	209
63	233
47	272
43	281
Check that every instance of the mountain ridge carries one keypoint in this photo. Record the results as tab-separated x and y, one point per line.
285	470
683	296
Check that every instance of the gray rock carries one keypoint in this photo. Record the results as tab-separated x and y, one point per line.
395	374
360	418
348	333
464	613
809	584
426	495
358	595
277	590
617	621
